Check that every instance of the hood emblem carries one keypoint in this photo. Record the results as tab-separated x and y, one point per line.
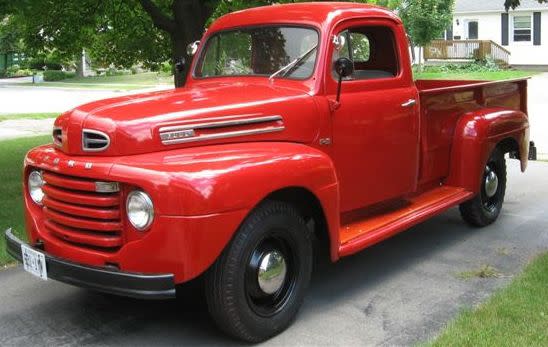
172	135
176	135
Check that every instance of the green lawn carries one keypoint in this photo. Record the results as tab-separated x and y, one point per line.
483	75
123	82
11	201
4	117
514	316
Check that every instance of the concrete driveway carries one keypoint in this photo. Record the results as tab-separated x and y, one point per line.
21	99
400	292
538	113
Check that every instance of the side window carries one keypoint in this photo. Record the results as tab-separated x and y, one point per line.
359	43
372	49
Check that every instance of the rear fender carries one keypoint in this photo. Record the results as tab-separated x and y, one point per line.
477	134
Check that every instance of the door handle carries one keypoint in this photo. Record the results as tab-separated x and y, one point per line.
409	103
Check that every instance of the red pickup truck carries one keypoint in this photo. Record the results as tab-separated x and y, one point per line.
297	122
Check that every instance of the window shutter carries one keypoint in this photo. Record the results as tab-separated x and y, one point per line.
449	35
505	29
537	28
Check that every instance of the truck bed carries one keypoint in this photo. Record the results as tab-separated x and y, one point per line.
444	101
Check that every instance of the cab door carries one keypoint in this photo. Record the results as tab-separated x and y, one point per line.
376	123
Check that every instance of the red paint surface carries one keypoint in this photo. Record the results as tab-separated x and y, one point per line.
406	164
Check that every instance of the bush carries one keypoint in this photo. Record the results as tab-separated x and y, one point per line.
42	64
487	65
15	71
166	68
111	71
57	75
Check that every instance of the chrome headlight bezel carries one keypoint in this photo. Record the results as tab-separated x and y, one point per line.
139	210
35	182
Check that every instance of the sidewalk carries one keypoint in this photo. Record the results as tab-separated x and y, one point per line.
11	129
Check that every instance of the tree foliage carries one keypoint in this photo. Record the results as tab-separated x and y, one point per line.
426	20
512	4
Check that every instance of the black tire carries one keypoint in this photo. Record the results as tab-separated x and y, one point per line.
235	298
483	209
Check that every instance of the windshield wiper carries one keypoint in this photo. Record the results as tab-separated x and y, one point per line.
294	62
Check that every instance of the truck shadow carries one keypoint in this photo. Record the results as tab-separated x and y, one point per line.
95	318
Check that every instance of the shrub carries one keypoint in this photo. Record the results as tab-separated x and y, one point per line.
41	64
57	75
166	68
111	71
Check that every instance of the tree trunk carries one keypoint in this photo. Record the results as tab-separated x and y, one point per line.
185	24
190	17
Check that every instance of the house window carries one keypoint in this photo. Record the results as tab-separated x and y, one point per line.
522	28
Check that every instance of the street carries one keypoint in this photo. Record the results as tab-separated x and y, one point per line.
400	292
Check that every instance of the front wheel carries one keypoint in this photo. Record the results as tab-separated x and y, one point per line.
256	287
485	207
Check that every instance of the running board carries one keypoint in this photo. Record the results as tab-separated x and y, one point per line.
370	230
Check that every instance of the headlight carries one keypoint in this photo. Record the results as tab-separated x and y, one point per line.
35	184
140	210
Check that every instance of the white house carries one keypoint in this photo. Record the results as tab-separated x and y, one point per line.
524	31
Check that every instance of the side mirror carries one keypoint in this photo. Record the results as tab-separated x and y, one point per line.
192	48
344	68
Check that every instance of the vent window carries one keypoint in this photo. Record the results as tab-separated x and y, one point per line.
94	141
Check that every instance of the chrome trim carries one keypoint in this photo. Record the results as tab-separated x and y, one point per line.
167	132
222	124
272	272
409	103
94	132
226	135
55	142
107	187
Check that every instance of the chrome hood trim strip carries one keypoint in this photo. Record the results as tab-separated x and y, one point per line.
187	133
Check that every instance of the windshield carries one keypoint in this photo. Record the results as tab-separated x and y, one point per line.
273	51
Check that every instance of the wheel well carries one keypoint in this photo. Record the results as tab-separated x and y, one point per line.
509	145
309	207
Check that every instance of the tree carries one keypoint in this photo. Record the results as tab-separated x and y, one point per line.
119	31
512	4
125	32
426	20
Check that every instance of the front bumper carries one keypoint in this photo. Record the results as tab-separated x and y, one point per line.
101	279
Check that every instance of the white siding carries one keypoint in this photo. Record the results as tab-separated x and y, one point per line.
490	27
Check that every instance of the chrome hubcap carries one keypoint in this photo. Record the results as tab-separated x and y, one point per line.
491	183
272	272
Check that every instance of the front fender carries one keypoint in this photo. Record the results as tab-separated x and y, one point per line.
476	136
211	190
215	179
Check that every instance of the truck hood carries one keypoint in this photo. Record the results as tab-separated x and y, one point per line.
205	114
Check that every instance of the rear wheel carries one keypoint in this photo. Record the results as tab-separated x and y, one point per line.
485	207
256	287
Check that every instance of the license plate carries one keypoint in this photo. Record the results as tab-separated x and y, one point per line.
34	262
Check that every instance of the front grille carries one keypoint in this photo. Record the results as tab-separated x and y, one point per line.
75	213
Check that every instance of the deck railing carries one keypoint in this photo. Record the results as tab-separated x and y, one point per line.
466	50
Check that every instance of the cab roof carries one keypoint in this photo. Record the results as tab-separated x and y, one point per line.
318	14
